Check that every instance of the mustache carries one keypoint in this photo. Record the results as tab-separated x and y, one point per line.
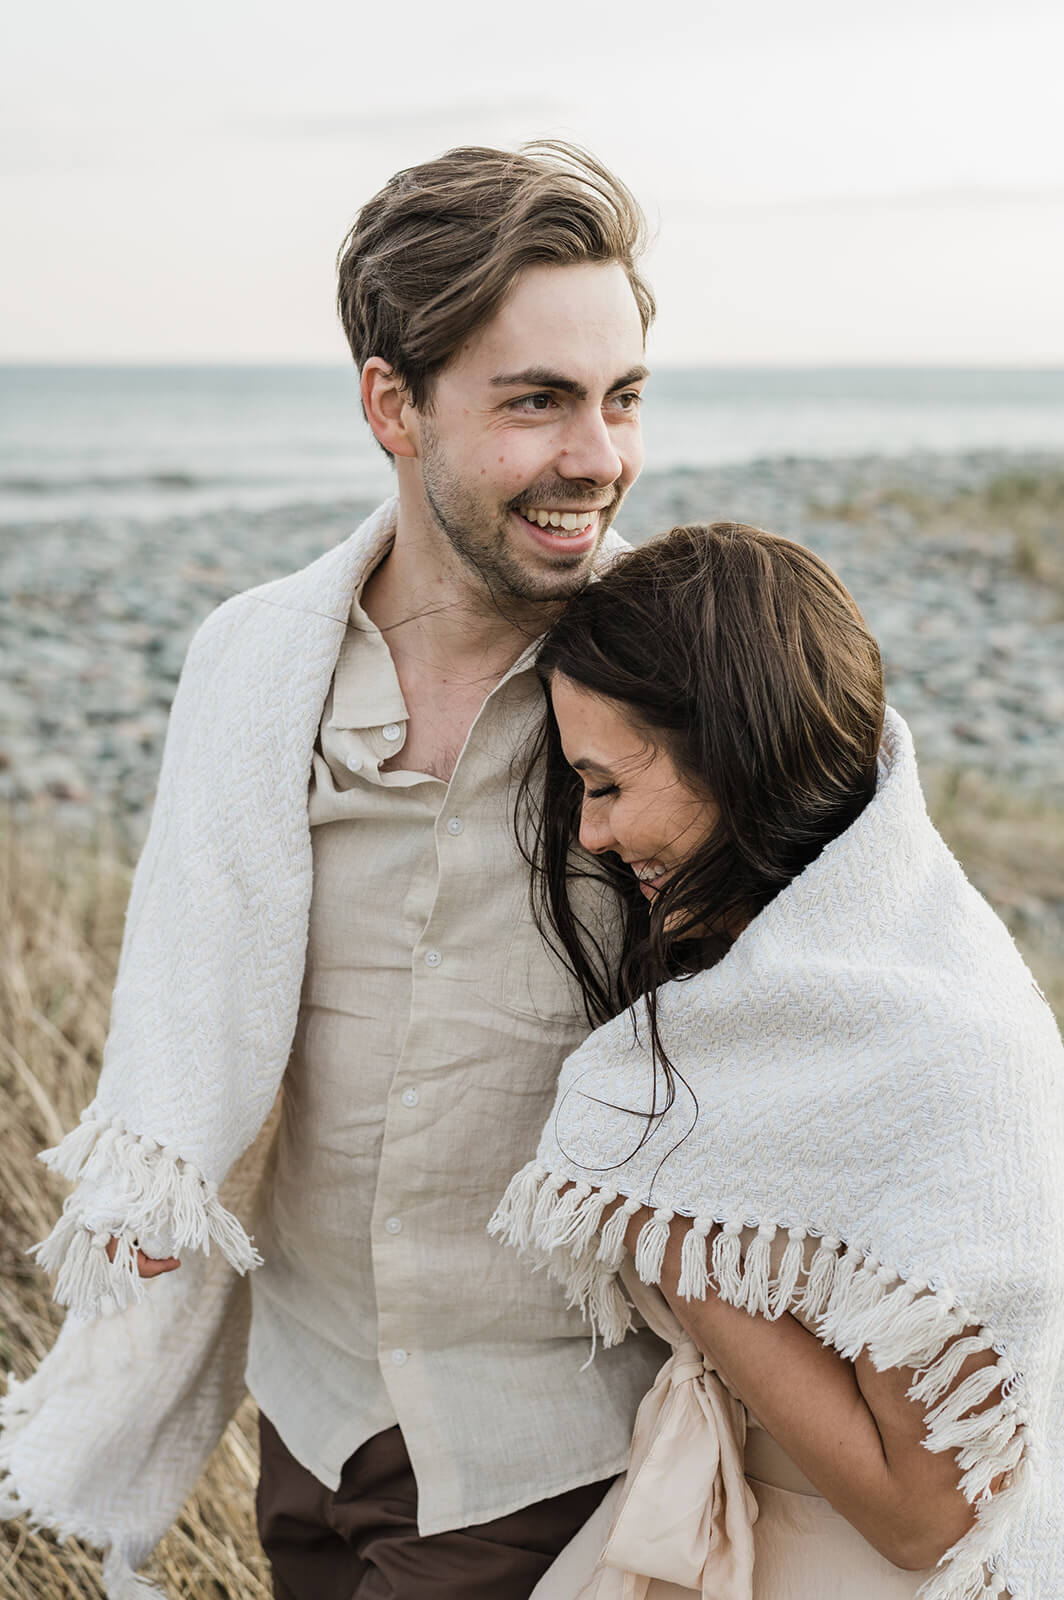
565	494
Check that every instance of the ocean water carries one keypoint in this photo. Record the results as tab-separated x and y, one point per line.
147	443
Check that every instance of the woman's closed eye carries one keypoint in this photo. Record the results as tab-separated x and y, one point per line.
600	794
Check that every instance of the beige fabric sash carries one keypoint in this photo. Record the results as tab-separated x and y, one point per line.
685	1513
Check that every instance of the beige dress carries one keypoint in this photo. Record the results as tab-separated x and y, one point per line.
711	1508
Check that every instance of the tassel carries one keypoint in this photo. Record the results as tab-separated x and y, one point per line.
694	1268
611	1250
977	1435
546	1200
578	1278
150	1194
818	1284
186	1209
563	1218
989	1444
757	1271
977	1432
990	1441
936	1379
611	1312
650	1246
834	1318
894	1325
86	1276
69	1156
140	1173
589	1218
976	1387
867	1309
727	1262
916	1337
790	1271
977	1480
232	1240
512	1220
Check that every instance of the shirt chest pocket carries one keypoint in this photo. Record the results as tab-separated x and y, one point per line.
535	982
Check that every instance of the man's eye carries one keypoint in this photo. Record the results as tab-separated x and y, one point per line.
534	402
628	401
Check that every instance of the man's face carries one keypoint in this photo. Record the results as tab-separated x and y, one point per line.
536	420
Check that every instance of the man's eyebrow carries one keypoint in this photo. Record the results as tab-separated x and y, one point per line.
539	378
545	378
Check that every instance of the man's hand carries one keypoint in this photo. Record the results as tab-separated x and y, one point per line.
147	1266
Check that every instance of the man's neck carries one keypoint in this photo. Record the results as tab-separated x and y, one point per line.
439	619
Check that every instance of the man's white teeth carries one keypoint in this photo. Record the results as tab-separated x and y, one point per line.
567	521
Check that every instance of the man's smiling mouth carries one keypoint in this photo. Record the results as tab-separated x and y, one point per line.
562	523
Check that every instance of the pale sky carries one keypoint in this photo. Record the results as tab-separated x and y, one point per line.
828	182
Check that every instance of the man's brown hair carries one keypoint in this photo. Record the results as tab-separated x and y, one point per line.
433	255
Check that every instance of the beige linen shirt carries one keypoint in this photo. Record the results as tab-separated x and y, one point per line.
432	1025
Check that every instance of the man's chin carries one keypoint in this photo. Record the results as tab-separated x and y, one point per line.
555	582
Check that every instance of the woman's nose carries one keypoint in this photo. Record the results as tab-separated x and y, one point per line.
595	835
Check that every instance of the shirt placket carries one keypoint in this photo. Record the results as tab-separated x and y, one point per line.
401	1262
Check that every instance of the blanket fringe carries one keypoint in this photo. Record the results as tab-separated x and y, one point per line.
156	1200
859	1304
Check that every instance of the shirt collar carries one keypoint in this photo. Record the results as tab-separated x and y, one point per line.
366	692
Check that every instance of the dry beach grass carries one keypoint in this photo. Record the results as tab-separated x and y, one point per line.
61	907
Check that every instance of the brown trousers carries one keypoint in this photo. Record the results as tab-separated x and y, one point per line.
360	1541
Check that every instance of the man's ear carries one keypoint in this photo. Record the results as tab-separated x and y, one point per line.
388	408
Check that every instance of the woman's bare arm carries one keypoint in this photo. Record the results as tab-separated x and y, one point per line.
852	1430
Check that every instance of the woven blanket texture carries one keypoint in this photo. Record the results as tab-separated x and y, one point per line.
871	1065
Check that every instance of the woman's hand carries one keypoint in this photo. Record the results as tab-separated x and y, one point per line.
147	1266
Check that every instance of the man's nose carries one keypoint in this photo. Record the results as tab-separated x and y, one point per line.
588	450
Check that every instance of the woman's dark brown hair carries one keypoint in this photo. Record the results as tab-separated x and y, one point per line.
745	658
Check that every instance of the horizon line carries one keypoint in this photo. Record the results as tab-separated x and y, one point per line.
285	364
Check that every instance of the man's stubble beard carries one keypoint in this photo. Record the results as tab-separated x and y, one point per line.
482	544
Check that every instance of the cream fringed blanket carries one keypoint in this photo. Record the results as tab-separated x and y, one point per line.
109	1435
871	1065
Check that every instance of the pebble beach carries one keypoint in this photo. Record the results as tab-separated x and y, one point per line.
95	617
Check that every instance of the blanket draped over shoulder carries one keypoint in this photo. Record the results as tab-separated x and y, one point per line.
872	1066
109	1435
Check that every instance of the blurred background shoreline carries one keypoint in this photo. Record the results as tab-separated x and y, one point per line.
135	499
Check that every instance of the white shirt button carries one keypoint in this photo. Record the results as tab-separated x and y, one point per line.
393	1225
392	731
400	1358
455	825
353	763
410	1097
432	958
